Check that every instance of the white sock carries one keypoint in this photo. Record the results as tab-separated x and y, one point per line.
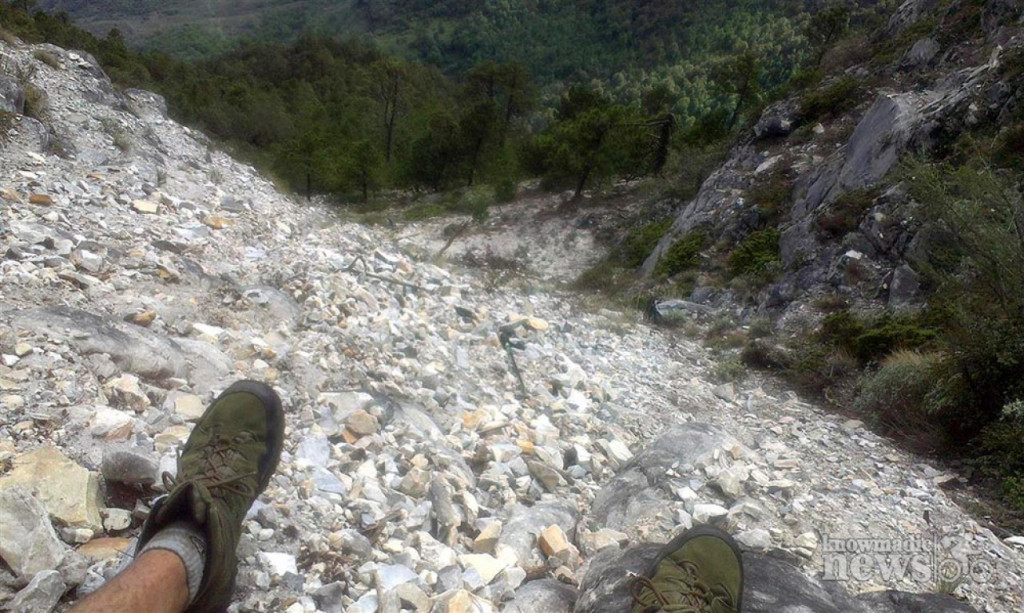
184	540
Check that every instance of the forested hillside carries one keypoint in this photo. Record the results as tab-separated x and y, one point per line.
626	46
327	114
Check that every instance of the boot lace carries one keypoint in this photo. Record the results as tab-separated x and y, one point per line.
684	593
217	472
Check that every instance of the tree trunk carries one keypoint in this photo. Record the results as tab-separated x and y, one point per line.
582	181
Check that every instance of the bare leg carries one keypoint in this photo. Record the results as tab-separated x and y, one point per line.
154	582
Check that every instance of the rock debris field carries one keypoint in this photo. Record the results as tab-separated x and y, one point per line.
142	271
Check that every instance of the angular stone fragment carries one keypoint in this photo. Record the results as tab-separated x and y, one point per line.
485	564
145	206
362	423
705	513
126	391
553	541
28	543
105	548
68	491
488	538
189	407
111	424
129	467
729	483
41	595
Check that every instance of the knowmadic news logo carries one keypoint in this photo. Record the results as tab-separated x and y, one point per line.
947	560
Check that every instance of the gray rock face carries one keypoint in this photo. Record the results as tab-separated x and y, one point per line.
134	349
891	601
12	95
637	494
28	543
870	153
278	306
909	13
40	595
209	365
543	596
717	197
998	13
605	587
777	120
146	105
904	287
921	54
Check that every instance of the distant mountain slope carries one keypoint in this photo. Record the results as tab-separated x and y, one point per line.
554	39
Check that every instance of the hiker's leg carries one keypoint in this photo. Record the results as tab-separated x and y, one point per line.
154	582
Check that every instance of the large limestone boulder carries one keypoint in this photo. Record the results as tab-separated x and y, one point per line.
544	596
133	349
635	498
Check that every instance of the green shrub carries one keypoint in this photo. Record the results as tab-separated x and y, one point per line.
640	242
505	190
729	370
602	278
1002	454
48	58
773	193
419	212
844	215
694	163
890	49
475	202
684	254
6	123
1011	64
832	100
755	254
803	79
37	103
870	340
894	396
8	38
961	22
1010	147
980	294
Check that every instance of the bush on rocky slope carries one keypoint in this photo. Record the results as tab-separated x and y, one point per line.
684	254
895	395
831	100
641	241
757	254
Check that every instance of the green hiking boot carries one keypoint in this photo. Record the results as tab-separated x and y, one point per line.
699	571
225	465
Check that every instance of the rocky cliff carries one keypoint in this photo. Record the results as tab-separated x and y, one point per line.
142	270
847	225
